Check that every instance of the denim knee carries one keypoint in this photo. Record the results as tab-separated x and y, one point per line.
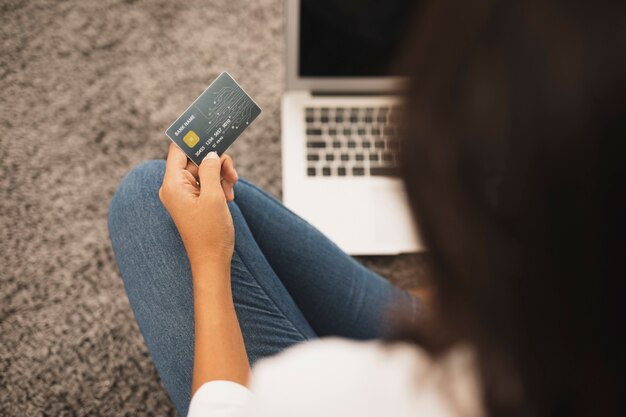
247	188
138	191
242	184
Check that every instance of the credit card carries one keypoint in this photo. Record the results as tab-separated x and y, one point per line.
214	120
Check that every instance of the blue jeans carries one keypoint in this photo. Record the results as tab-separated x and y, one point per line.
290	283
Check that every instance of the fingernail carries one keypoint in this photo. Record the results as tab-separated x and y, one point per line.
212	155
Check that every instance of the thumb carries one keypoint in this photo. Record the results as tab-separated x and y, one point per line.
209	173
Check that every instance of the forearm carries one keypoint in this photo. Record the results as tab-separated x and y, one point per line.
219	351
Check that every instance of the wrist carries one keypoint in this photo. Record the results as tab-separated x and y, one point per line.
203	259
212	266
210	272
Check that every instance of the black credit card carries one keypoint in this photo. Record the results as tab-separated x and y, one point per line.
214	120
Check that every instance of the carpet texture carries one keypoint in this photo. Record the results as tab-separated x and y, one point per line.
86	90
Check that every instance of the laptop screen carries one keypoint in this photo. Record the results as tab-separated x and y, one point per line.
351	38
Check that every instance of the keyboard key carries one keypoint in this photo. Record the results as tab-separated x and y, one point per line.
341	171
379	144
330	157
312	157
358	171
366	144
324	119
376	131
369	110
385	171
338	119
336	144
326	171
310	119
359	156
361	132
313	132
368	119
339	110
347	131
332	132
345	157
373	157
309	111
351	144
325	110
381	118
316	144
310	171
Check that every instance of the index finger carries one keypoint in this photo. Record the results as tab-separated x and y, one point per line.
228	169
176	159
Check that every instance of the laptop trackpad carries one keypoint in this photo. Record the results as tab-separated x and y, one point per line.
394	223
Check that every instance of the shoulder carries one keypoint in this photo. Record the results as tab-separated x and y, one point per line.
337	377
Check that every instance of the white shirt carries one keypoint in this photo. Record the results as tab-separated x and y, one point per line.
341	378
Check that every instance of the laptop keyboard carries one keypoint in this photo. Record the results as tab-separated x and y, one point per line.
351	141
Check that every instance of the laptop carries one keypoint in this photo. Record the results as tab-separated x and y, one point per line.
339	114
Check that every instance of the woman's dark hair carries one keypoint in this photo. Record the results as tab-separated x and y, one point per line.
514	122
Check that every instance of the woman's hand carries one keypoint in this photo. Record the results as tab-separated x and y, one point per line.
199	210
204	222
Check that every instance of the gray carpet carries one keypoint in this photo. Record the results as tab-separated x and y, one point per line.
86	90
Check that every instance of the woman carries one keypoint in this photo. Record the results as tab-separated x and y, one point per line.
511	165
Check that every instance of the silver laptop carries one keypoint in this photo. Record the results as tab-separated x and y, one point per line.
339	150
